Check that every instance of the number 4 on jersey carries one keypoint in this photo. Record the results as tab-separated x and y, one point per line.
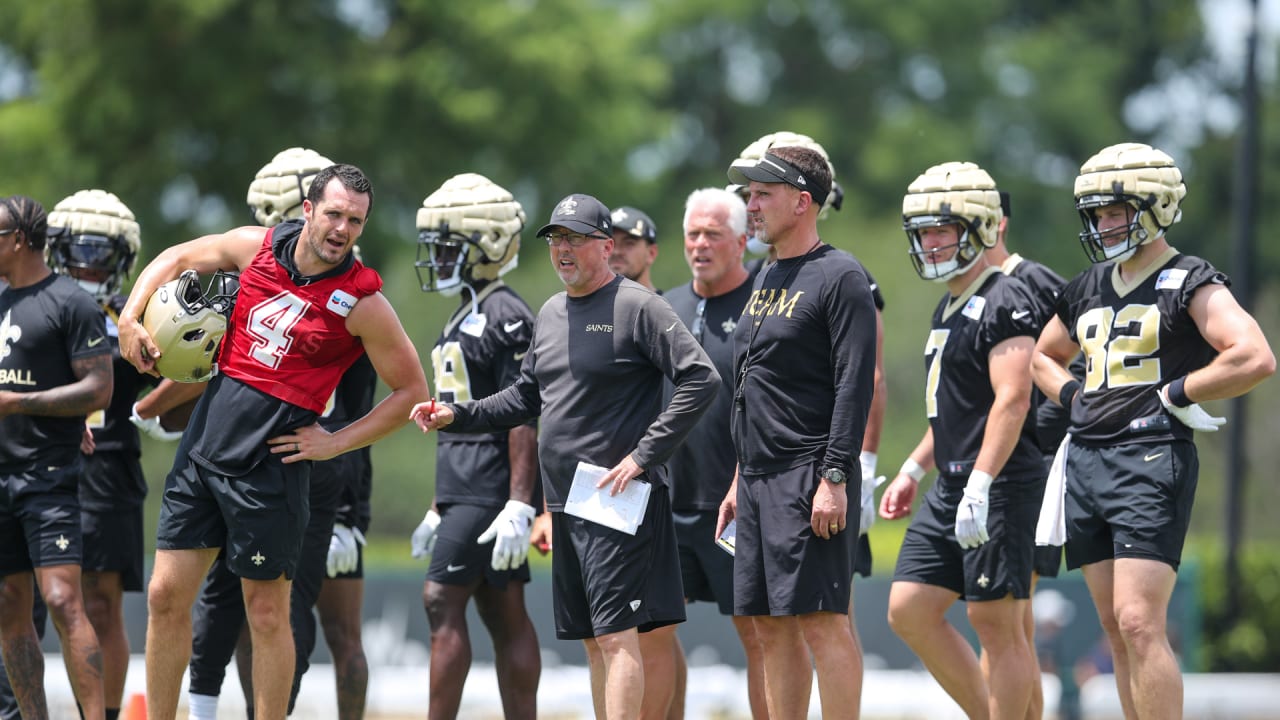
270	322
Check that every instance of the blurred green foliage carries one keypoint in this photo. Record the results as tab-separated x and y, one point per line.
1246	639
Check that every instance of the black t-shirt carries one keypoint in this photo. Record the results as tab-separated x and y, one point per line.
1136	337
808	345
958	394
594	372
113	433
477	355
702	467
43	328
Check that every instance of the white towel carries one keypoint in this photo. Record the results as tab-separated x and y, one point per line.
1051	528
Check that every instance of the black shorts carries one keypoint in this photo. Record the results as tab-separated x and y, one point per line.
259	518
113	543
112	480
1129	501
1001	566
706	570
862	556
40	518
781	567
458	559
1047	560
605	581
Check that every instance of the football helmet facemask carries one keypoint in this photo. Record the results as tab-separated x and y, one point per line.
187	324
1142	177
93	238
953	193
468	231
277	191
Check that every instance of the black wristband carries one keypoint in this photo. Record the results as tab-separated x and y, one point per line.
1068	392
1178	393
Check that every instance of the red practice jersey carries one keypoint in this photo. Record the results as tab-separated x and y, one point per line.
288	336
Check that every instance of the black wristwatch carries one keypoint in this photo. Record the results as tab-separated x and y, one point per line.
835	476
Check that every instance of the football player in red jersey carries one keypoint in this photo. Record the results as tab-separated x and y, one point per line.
306	310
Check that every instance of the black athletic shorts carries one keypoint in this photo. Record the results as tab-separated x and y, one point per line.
112	481
1001	566
862	554
40	518
706	570
259	517
605	581
781	567
113	543
1129	500
458	559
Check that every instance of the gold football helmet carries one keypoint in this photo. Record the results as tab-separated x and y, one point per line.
277	191
187	325
953	193
1139	175
94	238
468	230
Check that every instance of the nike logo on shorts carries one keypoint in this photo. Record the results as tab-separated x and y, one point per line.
1019	314
454	568
512	326
1152	456
519	356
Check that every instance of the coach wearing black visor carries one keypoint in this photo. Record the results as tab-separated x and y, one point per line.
804	370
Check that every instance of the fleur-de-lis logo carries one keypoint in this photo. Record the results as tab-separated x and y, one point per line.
258	559
568	206
9	333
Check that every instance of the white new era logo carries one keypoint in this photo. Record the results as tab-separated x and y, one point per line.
635	605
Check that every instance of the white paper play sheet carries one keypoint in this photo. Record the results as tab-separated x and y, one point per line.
623	512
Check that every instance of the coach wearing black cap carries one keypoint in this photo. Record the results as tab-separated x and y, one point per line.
601	353
635	245
804	362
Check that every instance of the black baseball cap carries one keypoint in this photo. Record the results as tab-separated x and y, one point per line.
773	169
635	223
580	213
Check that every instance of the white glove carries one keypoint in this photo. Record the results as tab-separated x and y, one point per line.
1193	416
870	482
344	549
511	529
423	541
971	515
152	426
